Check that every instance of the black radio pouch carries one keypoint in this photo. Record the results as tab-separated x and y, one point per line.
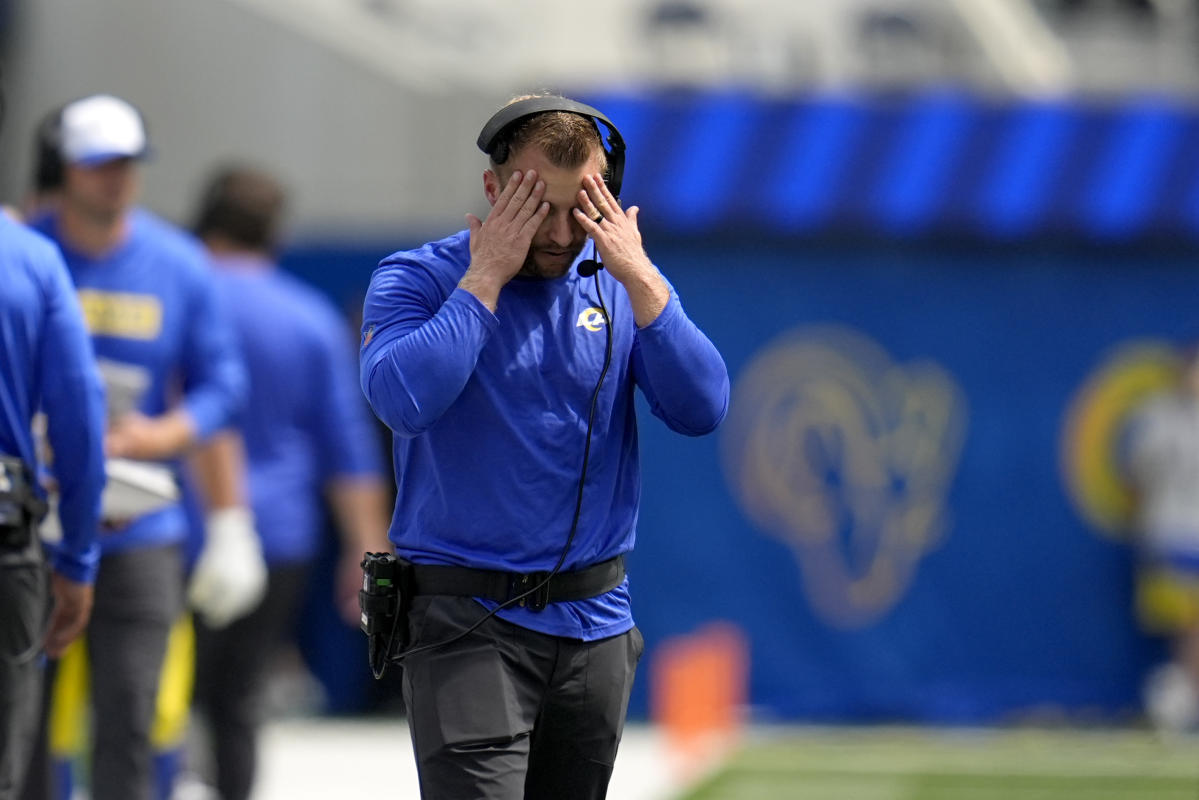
384	600
20	507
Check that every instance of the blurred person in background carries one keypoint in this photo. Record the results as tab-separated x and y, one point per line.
1164	467
214	481
46	365
516	459
174	377
308	437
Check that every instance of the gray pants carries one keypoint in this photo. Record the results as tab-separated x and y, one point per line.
24	606
139	595
508	713
233	667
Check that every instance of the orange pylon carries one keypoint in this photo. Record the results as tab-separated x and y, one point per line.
698	688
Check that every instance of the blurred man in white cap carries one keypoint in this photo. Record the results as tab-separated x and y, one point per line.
175	379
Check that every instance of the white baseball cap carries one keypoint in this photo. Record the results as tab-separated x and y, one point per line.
101	128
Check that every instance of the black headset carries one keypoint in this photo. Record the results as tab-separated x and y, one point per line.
494	141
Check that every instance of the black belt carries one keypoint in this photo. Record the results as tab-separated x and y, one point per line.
503	586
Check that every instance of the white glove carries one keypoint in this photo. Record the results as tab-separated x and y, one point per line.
229	579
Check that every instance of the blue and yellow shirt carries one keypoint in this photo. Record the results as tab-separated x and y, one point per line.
151	304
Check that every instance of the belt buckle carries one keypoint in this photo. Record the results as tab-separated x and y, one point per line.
521	583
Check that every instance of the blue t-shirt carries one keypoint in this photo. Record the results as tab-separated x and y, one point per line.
305	422
151	305
490	414
46	363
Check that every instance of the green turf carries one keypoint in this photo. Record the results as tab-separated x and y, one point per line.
917	764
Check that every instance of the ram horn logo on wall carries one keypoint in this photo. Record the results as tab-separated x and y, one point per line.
1095	429
847	457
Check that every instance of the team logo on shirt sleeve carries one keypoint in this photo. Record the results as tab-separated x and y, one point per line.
591	319
122	315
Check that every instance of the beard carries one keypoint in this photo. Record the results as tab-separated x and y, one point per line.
552	264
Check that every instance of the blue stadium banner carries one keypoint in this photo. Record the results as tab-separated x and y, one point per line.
937	162
916	509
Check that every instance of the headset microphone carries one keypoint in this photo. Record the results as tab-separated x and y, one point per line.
589	267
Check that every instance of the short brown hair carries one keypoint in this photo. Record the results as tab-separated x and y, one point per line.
566	138
243	204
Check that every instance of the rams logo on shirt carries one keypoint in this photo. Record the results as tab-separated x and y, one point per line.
121	314
591	318
846	456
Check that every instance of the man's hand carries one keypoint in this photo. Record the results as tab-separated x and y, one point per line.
618	240
360	506
500	244
137	436
347	582
72	607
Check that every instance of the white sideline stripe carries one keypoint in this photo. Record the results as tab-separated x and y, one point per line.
316	759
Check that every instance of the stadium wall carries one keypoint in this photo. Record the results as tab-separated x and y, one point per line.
938	314
916	508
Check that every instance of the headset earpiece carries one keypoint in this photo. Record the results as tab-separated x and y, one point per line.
499	152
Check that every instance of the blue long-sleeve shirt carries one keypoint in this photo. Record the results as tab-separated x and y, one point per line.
46	363
490	414
305	423
151	304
